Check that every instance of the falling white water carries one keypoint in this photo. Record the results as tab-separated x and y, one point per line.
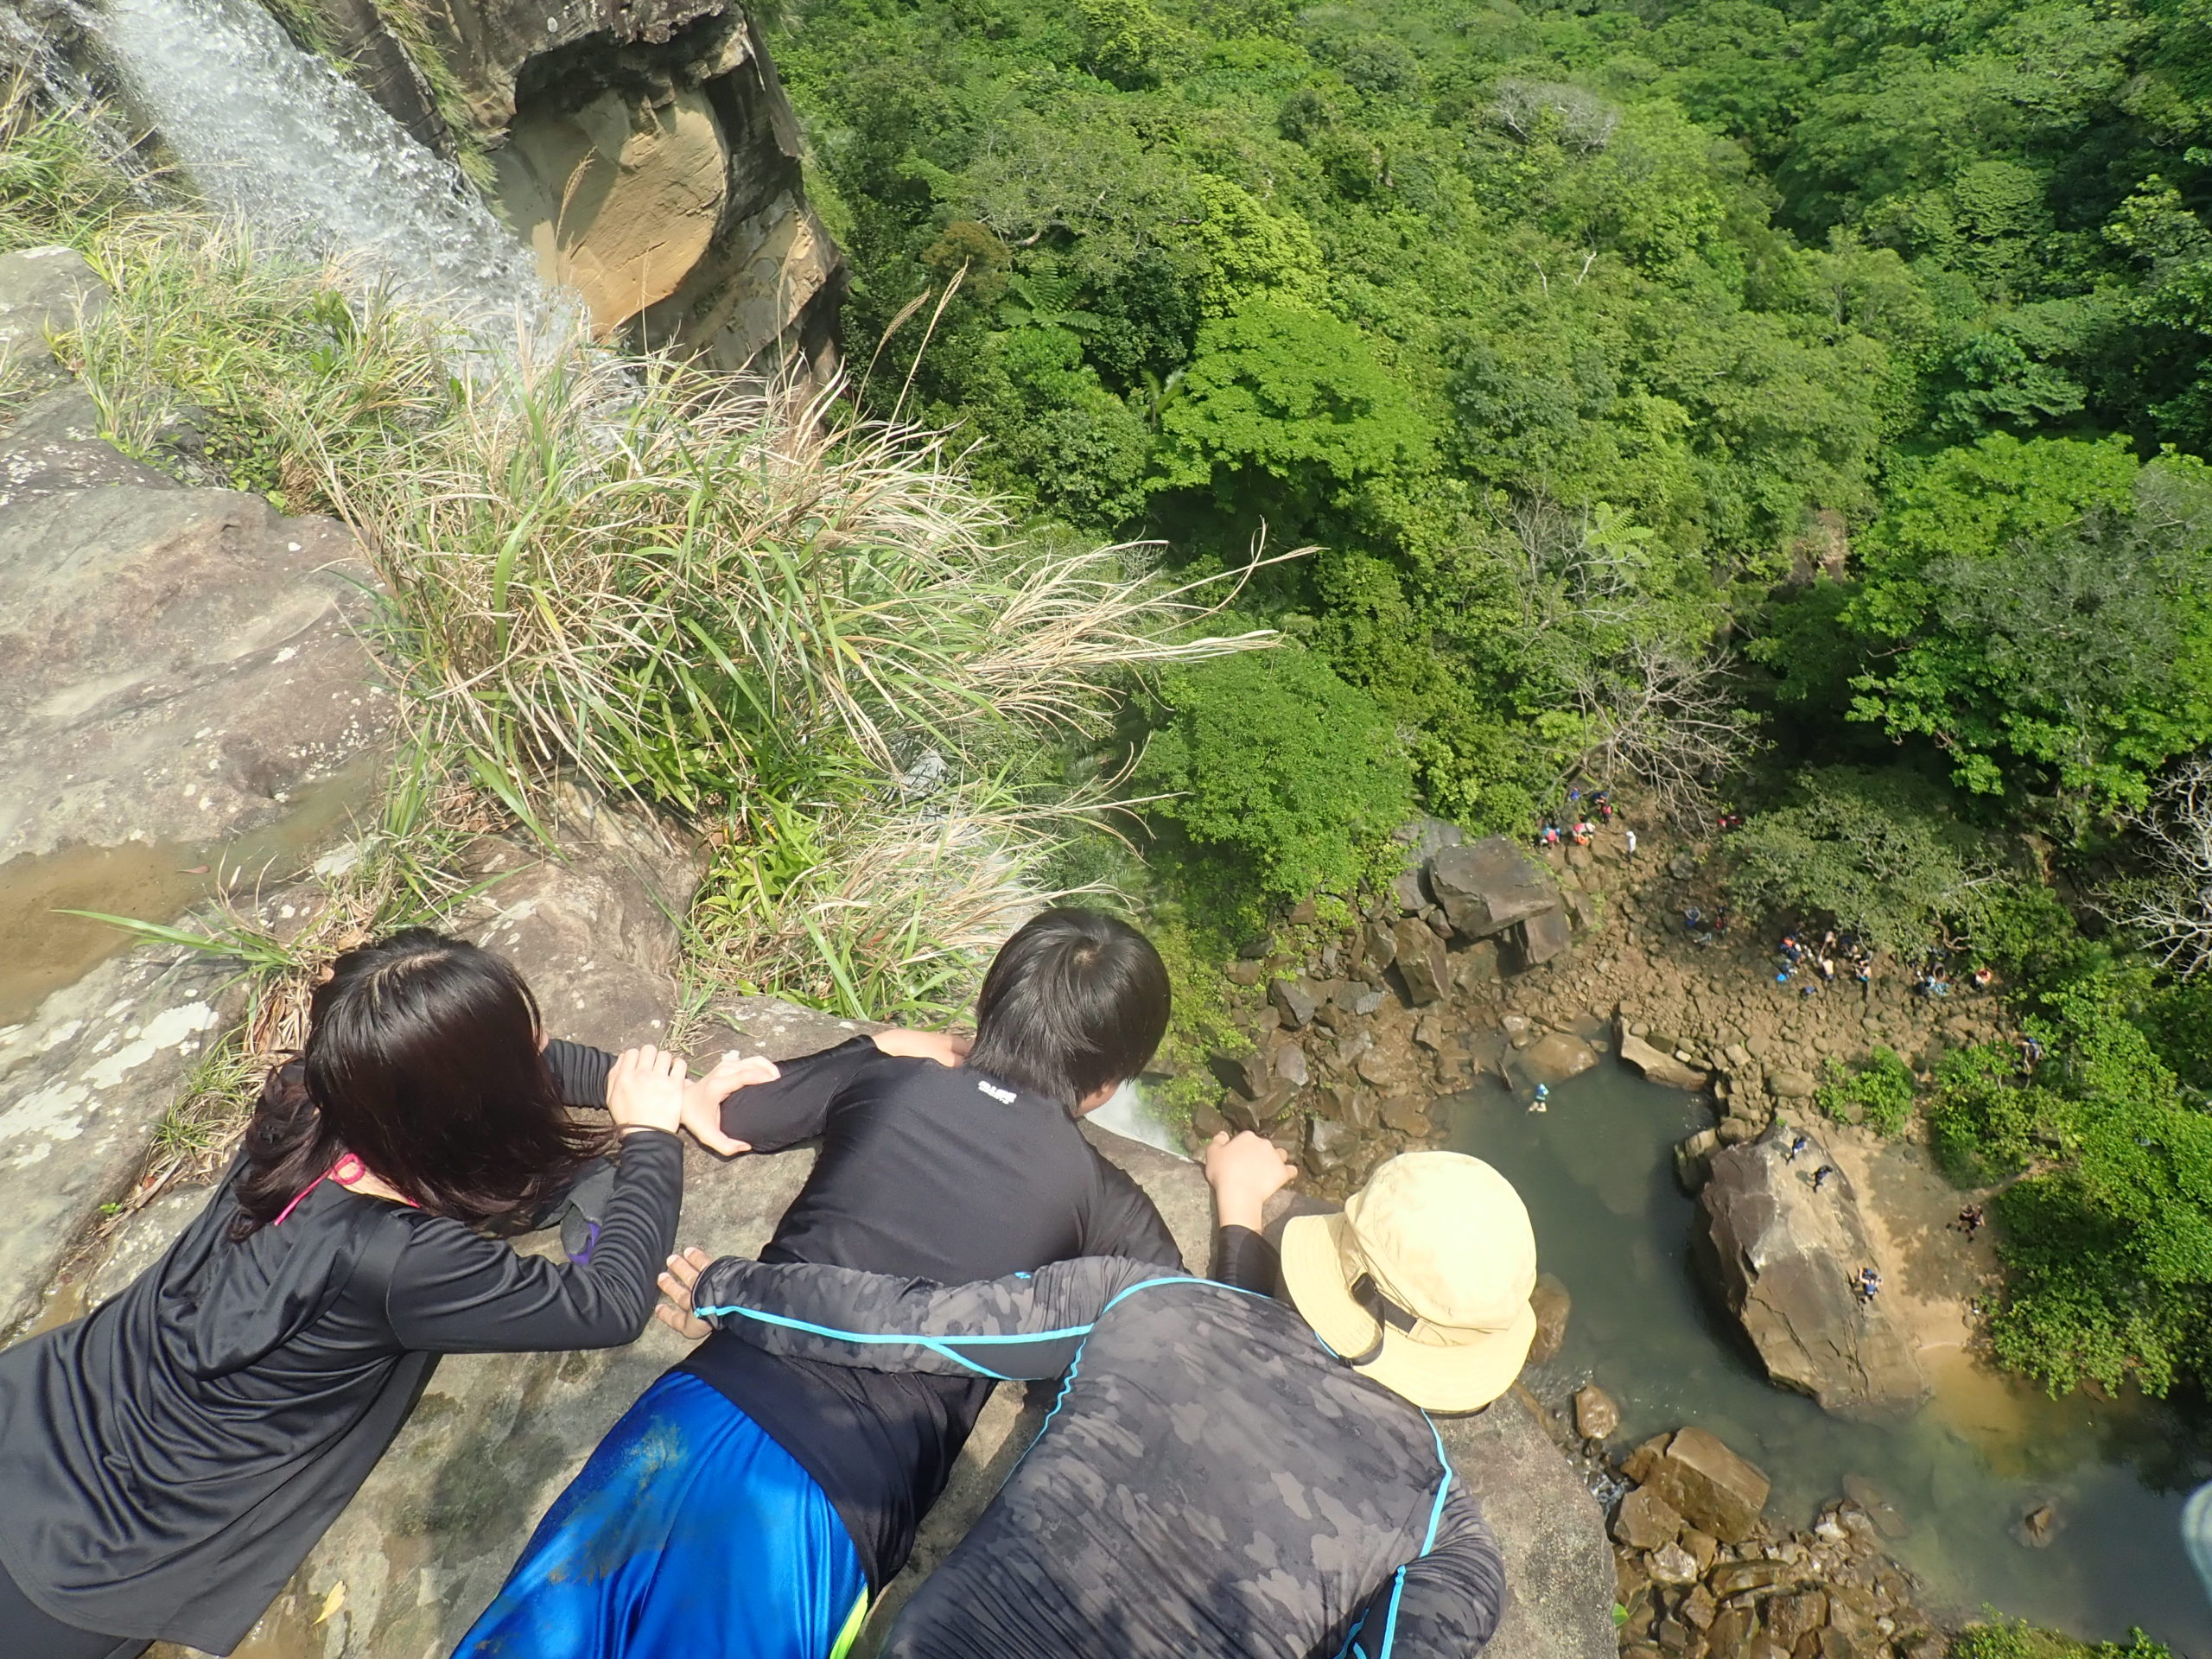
1126	1114
303	157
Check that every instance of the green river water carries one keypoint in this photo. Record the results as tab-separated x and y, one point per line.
1597	1174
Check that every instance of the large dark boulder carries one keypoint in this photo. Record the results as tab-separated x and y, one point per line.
1487	887
1784	1255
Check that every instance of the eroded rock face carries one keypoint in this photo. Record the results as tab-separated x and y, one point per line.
1785	1255
646	153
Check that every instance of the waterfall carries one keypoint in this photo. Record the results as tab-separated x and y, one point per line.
1126	1114
302	158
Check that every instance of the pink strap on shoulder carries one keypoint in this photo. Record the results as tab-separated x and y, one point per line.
346	1172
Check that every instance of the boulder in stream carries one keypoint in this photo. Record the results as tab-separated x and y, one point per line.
1702	1481
1487	887
1783	1254
1655	1065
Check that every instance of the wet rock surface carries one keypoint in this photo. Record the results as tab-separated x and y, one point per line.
180	679
1784	1249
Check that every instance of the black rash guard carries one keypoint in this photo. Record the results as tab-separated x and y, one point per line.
168	1460
926	1171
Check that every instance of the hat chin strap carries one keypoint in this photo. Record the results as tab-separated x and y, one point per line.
1385	1313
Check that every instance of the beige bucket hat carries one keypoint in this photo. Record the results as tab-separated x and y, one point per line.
1423	1281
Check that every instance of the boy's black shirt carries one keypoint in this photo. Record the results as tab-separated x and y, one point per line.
928	1172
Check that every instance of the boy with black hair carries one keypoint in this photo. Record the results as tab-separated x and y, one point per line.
750	1504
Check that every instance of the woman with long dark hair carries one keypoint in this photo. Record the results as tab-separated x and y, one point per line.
168	1460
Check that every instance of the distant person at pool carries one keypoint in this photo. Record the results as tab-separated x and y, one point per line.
1236	1466
167	1460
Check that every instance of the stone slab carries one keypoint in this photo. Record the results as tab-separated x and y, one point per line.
83	1084
176	666
1784	1255
1656	1066
1487	885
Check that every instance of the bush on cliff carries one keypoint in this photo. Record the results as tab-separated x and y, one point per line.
1286	781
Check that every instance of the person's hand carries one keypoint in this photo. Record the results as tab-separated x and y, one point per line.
943	1047
1245	1171
675	1287
646	1090
703	1096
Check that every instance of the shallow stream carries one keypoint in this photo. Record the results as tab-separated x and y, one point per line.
1597	1173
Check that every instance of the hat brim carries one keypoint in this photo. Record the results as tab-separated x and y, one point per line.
1463	1376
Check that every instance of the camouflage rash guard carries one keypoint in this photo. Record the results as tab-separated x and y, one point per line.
1213	1481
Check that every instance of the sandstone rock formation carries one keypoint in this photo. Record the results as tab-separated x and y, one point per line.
1785	1255
645	151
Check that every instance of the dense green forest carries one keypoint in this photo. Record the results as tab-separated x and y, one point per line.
1802	407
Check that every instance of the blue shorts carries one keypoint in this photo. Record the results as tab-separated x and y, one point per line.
690	1535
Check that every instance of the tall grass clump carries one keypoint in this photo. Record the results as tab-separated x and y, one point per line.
62	178
808	631
807	634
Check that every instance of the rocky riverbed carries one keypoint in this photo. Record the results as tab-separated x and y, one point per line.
1489	964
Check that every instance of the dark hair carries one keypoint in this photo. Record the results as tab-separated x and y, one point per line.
422	1060
1073	1001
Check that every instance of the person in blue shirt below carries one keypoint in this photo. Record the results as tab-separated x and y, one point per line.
751	1504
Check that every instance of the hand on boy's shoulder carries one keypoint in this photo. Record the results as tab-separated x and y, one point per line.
946	1047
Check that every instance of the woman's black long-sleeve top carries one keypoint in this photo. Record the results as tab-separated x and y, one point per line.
168	1460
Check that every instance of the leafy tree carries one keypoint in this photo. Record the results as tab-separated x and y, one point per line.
1284	414
1877	851
1287	777
2038	609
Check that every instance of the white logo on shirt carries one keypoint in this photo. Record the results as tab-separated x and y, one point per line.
1005	1096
